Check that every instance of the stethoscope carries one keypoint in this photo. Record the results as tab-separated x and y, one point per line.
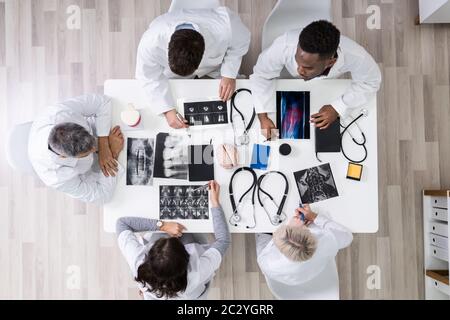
364	113
244	139
280	216
236	217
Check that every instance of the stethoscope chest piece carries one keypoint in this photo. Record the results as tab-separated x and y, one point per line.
235	218
278	219
243	140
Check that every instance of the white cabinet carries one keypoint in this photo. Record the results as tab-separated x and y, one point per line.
436	244
434	11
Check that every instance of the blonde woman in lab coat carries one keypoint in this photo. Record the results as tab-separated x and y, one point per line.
300	251
189	44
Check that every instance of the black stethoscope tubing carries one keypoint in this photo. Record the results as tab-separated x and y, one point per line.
362	144
233	202
283	200
233	106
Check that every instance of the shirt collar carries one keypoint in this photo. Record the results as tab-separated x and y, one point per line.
337	66
185	25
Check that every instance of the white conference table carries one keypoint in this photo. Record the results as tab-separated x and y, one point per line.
357	204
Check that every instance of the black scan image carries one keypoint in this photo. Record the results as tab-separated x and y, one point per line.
183	202
201	163
171	157
206	112
140	161
316	184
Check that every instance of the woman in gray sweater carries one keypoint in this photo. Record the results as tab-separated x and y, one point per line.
173	265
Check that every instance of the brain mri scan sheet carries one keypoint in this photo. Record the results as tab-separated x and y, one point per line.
204	112
189	202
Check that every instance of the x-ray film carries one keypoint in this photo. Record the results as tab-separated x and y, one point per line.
293	114
140	161
183	202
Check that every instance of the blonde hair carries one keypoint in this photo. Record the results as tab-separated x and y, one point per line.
295	242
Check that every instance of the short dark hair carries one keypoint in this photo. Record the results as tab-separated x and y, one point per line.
320	37
70	140
186	48
164	271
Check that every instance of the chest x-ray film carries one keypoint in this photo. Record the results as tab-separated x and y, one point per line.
293	114
140	161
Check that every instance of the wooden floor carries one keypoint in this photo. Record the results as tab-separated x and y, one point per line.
47	239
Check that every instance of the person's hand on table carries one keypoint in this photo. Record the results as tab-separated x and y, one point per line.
106	161
325	117
175	120
214	194
310	216
226	88
116	142
173	229
268	128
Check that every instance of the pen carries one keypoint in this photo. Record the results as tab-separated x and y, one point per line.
184	122
202	187
302	216
179	118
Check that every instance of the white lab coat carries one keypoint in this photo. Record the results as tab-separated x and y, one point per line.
79	178
352	58
330	236
203	263
226	41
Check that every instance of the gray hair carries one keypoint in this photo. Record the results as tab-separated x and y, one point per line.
297	243
70	140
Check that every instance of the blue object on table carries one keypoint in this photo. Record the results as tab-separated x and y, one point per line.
260	157
302	216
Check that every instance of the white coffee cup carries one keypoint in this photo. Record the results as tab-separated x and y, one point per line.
131	117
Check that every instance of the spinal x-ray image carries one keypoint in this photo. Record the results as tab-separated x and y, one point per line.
140	160
316	184
183	202
171	156
206	112
293	113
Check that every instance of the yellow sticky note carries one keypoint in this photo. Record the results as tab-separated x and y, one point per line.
354	171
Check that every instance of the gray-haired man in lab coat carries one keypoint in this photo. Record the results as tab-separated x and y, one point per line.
62	144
